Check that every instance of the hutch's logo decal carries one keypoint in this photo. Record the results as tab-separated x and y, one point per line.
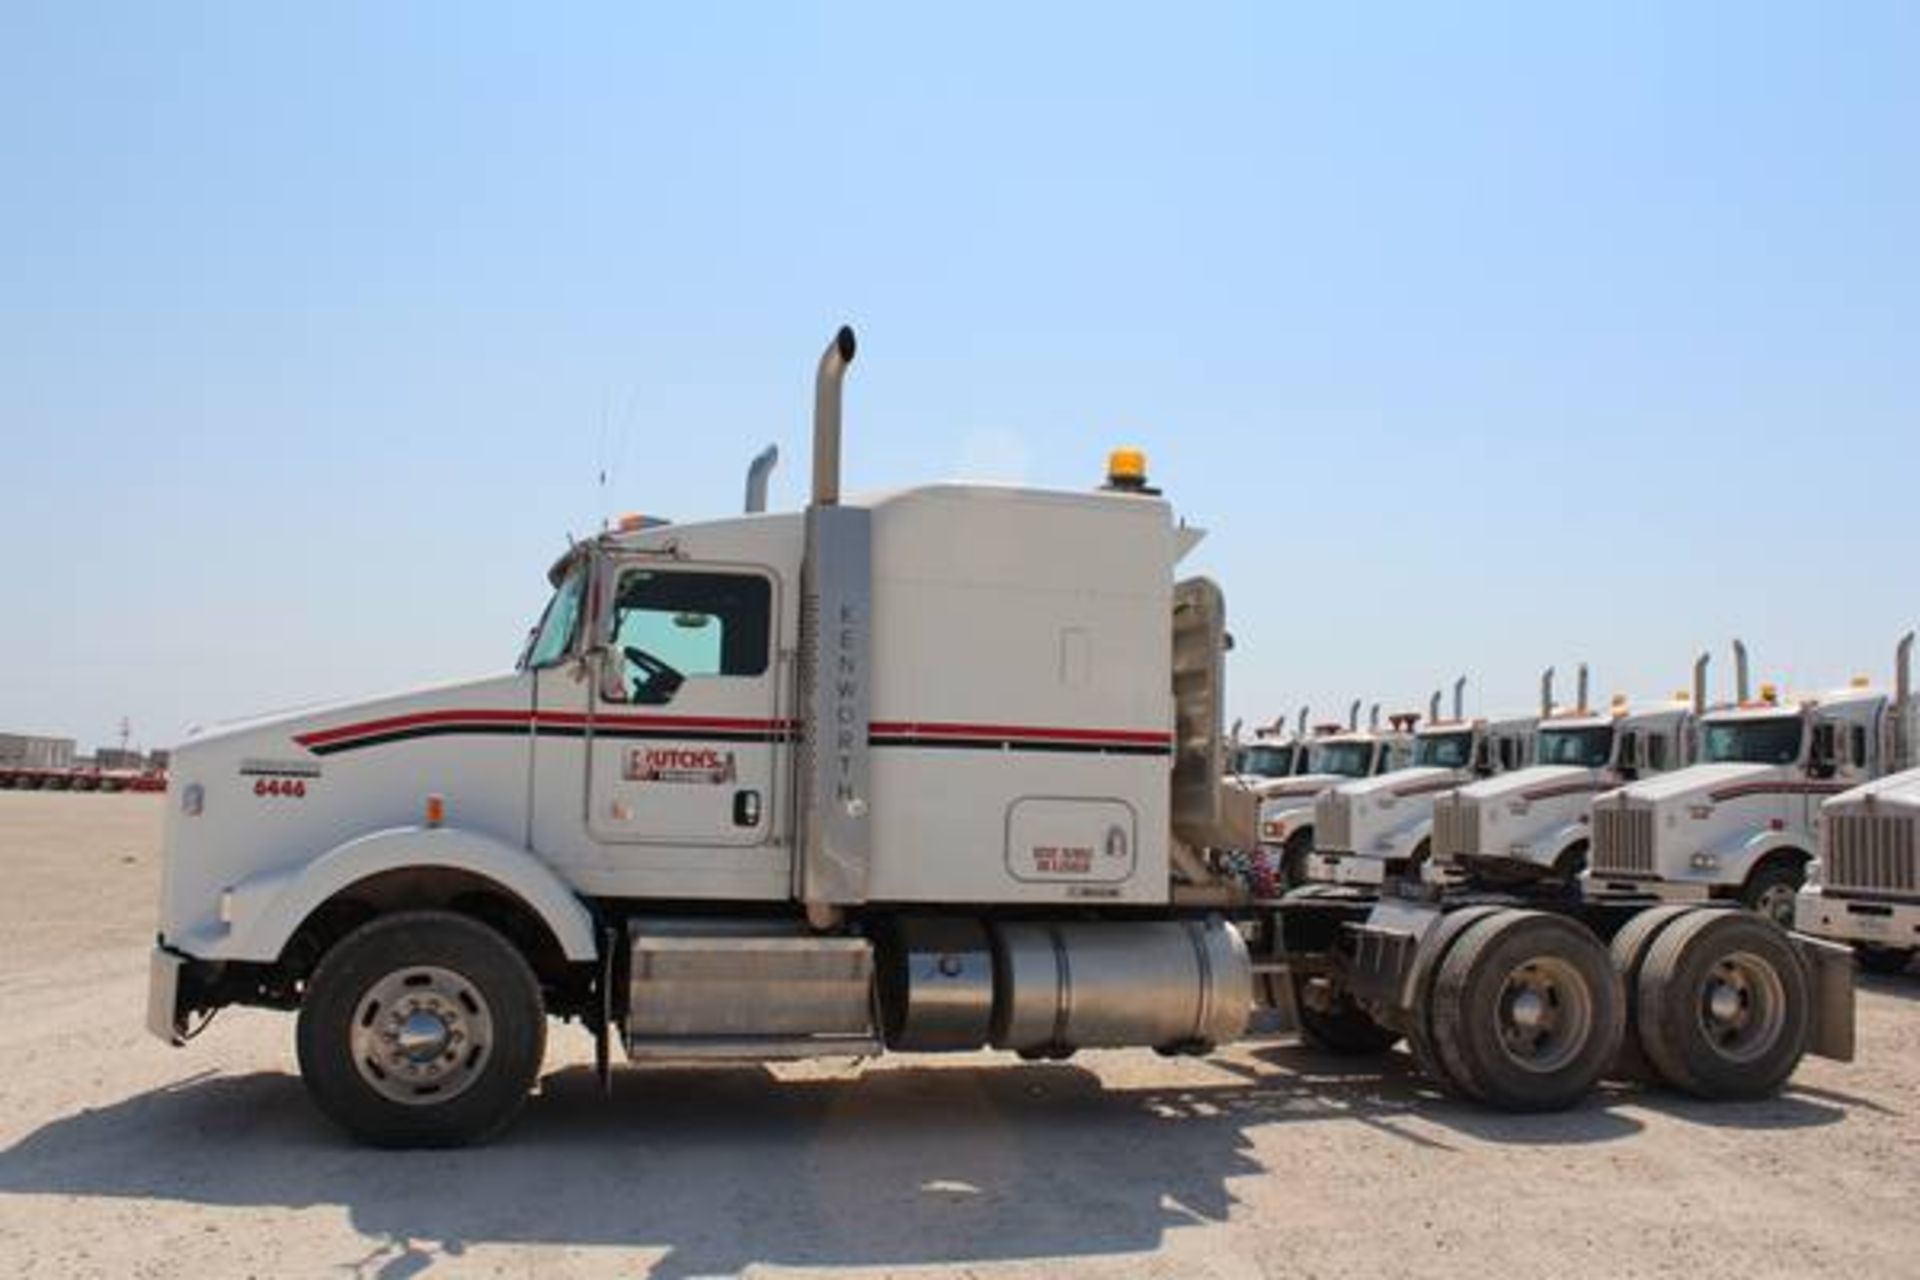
701	766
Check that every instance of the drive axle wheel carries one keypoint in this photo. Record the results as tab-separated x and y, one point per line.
1527	1011
1426	963
422	1029
1629	949
1723	1005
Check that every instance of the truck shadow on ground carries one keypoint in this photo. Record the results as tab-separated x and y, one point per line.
720	1168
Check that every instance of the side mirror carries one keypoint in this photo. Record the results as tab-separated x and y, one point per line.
1824	759
610	674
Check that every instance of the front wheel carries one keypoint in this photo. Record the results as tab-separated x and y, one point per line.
1294	860
422	1029
1771	890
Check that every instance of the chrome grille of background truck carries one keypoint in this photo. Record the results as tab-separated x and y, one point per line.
1871	853
1333	823
1456	828
1623	841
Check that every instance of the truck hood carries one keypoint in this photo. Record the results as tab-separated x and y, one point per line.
1419	778
281	729
1900	792
1520	781
1697	778
1299	786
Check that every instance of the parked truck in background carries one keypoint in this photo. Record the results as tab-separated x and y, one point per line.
1534	824
1378	829
1273	752
930	770
1865	886
1335	755
1742	823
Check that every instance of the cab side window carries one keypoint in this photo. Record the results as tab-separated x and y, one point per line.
669	626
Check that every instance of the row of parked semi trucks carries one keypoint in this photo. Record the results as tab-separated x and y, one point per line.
1805	810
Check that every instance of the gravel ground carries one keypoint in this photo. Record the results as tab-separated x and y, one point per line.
124	1158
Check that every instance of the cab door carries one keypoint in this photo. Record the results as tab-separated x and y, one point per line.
685	742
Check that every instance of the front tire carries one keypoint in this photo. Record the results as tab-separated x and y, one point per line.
422	1029
1293	860
1771	889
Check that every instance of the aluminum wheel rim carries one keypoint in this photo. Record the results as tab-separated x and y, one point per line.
1544	1015
421	1035
1743	1006
1776	904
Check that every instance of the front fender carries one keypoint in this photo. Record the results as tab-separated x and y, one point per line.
1398	845
1739	855
268	908
1551	847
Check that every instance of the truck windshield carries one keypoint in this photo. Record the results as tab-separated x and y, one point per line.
1587	748
1443	750
1775	740
1344	759
554	635
1265	762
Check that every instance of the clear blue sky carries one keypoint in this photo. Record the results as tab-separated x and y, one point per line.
1481	337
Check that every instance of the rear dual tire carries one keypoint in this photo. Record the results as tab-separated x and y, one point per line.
1526	1012
1722	1004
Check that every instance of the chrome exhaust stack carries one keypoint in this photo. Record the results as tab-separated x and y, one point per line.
1460	698
833	810
1300	726
1700	684
1433	708
1903	704
758	472
1373	719
1740	692
1581	703
826	416
1546	693
1353	717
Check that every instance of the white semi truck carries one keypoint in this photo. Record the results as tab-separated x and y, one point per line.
1742	823
1535	824
1379	829
1865	888
1336	755
933	769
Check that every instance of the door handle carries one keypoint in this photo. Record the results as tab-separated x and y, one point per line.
746	808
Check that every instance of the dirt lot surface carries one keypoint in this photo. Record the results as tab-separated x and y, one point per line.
124	1158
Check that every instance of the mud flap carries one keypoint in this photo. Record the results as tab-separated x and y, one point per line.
166	1020
1830	981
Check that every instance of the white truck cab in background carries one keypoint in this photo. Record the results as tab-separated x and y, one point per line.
1535	823
1865	888
1336	755
1379	829
1743	822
